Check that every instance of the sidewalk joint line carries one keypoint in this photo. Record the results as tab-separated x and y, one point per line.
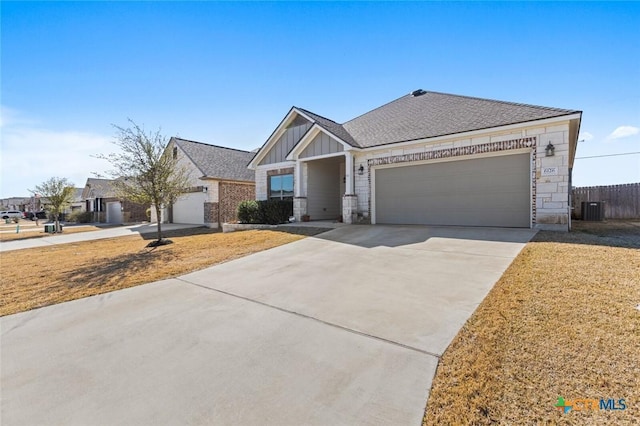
350	330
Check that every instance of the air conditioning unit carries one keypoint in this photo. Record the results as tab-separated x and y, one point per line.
593	211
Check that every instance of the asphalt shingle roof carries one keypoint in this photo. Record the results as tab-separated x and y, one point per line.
98	188
432	114
218	162
330	125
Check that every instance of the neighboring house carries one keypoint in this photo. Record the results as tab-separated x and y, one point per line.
426	158
15	203
78	203
220	180
100	198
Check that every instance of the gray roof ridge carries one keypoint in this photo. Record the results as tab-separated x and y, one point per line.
208	144
467	97
99	179
504	102
376	108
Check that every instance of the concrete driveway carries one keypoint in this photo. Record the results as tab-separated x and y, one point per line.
343	328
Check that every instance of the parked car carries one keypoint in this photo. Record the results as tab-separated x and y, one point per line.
33	215
6	214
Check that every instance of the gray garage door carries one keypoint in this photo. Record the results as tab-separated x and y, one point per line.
491	191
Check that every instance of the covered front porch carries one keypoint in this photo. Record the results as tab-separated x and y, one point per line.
324	188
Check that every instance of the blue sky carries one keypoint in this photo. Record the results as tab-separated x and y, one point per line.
226	73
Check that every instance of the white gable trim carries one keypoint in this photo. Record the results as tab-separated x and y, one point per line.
310	136
279	131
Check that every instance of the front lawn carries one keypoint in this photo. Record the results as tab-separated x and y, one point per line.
33	278
561	322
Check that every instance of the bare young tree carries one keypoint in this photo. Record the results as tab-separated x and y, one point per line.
145	171
59	193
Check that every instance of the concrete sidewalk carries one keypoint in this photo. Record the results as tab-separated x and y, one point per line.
123	231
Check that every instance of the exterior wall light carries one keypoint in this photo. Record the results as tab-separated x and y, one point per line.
205	189
361	170
550	150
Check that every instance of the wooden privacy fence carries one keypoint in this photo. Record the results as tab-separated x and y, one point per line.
620	201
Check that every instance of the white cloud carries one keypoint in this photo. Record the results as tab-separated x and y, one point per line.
585	136
7	116
12	117
31	155
623	132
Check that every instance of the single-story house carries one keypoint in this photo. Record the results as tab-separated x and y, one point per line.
78	203
16	203
219	178
101	199
426	158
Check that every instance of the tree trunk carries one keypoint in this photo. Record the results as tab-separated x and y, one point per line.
159	220
57	222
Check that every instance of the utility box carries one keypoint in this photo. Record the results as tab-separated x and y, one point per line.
593	211
51	228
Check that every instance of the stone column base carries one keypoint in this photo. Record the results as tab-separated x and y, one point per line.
299	207
349	208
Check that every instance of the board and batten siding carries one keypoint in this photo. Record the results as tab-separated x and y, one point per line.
285	143
322	144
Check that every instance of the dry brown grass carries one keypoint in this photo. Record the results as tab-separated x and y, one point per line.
560	322
23	235
39	277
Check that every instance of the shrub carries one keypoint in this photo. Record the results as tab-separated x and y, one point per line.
248	212
274	212
80	217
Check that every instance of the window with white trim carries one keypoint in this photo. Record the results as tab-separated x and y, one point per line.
281	187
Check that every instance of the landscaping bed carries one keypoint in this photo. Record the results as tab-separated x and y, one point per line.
561	322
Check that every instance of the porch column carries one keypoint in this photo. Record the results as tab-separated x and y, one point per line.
348	173
349	199
299	200
297	179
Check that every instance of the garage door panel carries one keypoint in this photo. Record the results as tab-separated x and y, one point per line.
114	212
189	208
493	191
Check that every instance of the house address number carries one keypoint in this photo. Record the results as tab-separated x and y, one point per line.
549	171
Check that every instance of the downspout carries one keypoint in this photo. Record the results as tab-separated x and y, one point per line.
569	193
